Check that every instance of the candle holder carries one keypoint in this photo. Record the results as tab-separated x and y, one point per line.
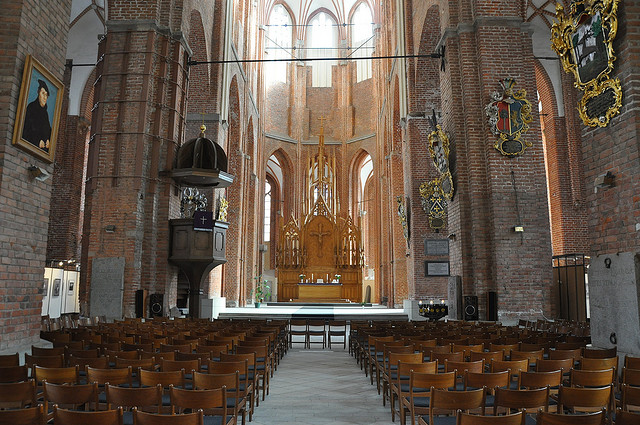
433	312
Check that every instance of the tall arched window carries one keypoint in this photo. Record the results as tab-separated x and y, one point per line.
362	41
278	44
322	40
267	212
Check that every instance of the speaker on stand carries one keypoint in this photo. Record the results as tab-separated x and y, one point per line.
155	305
470	307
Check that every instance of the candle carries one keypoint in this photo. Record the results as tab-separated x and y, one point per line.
430	301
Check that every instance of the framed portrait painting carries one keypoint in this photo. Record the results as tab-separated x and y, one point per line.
39	108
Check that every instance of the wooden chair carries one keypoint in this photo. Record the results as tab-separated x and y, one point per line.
513	366
470	419
213	350
263	365
70	395
166	348
317	328
375	357
297	327
450	402
488	380
546	418
521	400
467	349
558	354
143	418
13	374
588	363
532	356
150	378
118	376
627	418
577	399
231	381
632	362
630	398
146	398
73	417
18	395
28	416
591	378
44	361
487	356
380	362
630	376
390	371
212	402
506	348
9	360
462	367
419	391
187	365
399	387
252	376
337	328
246	385
548	365
529	380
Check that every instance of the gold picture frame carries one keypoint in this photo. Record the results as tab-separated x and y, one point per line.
39	110
583	38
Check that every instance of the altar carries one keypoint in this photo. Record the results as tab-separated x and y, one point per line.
320	258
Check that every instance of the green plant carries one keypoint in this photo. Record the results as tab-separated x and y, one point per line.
262	290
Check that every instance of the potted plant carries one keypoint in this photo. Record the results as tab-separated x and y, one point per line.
261	291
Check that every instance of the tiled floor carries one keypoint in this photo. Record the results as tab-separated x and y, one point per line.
315	386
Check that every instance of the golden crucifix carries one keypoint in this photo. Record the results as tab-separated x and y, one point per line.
320	235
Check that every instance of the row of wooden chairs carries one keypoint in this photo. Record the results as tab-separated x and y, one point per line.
318	331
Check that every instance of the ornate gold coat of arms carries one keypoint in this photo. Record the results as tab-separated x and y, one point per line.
509	116
583	39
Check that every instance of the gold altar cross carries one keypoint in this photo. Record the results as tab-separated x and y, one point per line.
320	235
322	119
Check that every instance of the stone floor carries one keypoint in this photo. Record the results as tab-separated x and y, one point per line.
316	386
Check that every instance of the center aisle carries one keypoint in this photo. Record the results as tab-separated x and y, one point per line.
314	387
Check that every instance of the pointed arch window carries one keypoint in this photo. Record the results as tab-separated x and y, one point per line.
322	40
362	41
267	212
278	43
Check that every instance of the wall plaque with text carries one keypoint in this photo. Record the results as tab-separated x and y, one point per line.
436	247
436	268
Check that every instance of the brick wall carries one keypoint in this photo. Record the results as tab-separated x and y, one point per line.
39	29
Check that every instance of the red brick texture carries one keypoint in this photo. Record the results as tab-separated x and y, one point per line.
39	29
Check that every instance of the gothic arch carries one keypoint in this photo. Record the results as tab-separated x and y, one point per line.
427	70
199	76
287	184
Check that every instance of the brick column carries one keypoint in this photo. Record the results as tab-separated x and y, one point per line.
137	126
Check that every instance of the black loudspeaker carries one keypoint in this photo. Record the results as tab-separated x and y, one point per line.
492	306
470	307
141	301
155	305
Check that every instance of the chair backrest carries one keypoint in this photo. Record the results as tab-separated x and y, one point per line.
210	381
461	367
29	416
442	357
151	378
578	399
534	399
118	376
515	366
591	378
46	352
9	360
632	362
546	418
600	353
627	418
57	375
74	417
249	357
187	348
211	401
533	356
557	354
489	380
18	394
442	400
143	418
113	354
539	379
420	383
487	356
507	348
470	419
631	376
146	364
83	362
587	363
186	365
74	395
548	365
140	397
13	374
44	361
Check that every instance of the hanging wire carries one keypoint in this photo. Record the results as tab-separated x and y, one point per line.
363	43
431	55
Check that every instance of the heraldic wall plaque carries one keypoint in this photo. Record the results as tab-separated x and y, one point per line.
583	39
509	116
